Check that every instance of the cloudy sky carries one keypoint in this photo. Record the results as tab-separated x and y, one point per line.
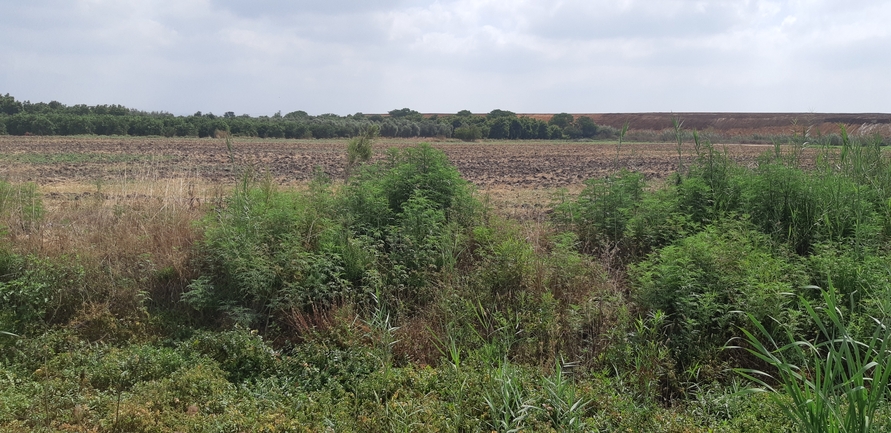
346	56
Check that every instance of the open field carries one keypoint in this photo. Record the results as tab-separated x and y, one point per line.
490	164
520	178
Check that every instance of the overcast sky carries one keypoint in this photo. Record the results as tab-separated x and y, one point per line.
347	56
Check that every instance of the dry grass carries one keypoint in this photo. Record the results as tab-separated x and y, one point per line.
120	243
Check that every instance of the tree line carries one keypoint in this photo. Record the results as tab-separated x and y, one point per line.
55	118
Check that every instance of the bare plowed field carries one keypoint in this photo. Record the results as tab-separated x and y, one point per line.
509	164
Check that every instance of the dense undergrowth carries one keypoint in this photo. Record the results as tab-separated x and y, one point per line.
398	301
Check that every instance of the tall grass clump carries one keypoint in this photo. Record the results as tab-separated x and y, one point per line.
20	206
832	383
359	148
97	263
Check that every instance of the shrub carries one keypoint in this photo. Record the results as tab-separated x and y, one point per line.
860	278
241	354
802	208
507	262
468	133
702	280
408	209
601	213
359	148
112	368
36	293
426	171
267	252
657	222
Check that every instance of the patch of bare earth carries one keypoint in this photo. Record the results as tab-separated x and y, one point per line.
520	176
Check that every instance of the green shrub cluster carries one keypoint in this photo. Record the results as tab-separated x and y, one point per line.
720	238
271	253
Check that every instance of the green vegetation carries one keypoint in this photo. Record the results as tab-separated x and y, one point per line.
54	118
842	383
396	300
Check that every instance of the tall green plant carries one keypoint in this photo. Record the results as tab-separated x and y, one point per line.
842	381
603	209
359	148
678	126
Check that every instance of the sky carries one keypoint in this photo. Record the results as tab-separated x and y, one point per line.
527	56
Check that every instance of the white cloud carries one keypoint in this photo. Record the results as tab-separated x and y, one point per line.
345	56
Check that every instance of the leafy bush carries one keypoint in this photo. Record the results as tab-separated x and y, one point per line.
507	262
36	293
601	213
702	280
658	221
241	354
860	277
359	148
112	368
468	133
268	251
408	210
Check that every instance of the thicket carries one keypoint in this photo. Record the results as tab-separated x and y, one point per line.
398	301
54	118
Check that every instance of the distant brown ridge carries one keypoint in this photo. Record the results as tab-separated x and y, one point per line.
746	124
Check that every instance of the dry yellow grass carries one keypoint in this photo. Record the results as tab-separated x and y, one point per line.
128	242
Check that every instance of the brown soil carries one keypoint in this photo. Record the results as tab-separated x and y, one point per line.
748	124
491	164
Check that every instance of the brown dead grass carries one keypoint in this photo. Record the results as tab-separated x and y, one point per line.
129	243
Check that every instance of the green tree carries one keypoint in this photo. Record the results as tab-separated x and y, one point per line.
407	114
499	128
468	133
74	125
562	120
500	114
41	125
587	126
8	105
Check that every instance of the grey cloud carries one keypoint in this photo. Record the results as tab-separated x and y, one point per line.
347	56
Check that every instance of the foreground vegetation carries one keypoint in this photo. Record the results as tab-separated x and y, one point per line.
399	301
